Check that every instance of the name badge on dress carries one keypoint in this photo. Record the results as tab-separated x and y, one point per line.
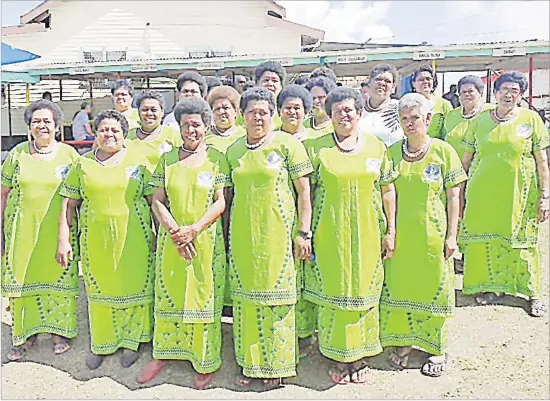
432	173
274	160
62	171
524	131
132	172
373	165
205	179
164	147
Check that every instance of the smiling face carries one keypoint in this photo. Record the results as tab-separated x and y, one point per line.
293	113
122	99
271	81
110	136
508	95
257	118
192	130
190	89
319	99
382	86
42	126
424	83
150	113
224	114
413	121
469	96
344	117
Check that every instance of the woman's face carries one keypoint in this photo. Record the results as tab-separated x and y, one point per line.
257	118
508	95
224	114
190	89
42	126
123	100
293	112
193	130
319	99
414	122
344	116
381	87
424	83
150	113
271	81
469	96
110	136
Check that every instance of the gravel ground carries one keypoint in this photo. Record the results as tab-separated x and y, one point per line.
497	352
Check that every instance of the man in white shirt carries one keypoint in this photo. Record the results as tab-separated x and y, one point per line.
189	84
82	130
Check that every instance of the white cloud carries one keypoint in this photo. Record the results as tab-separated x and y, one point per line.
346	21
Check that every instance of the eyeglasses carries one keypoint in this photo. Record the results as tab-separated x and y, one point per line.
511	91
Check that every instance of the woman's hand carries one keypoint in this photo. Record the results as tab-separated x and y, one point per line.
187	251
544	206
64	254
450	246
302	248
388	246
183	235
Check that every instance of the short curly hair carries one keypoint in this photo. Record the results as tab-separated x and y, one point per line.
295	91
471	80
272	66
193	105
429	70
323	72
382	68
44	104
193	77
113	115
342	93
324	83
123	83
212	82
224	92
258	93
515	77
155	95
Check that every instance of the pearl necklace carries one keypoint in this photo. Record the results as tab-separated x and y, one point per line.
255	145
420	151
476	111
40	151
339	147
320	126
192	152
502	120
223	134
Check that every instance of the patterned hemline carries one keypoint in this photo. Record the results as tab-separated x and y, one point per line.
129	343
43	328
266	372
352	355
466	239
203	367
120	302
348	304
407	306
187	316
265	298
411	340
27	290
305	332
507	289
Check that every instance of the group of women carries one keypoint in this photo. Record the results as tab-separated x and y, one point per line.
305	208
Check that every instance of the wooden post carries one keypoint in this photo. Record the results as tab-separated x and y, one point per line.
60	90
9	110
28	94
531	64
489	87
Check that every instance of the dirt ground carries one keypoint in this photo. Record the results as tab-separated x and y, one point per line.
496	352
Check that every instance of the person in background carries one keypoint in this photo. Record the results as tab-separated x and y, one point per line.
365	91
379	116
418	296
542	115
211	83
323	72
240	81
294	103
452	97
302	79
320	122
190	84
42	295
249	84
425	82
123	97
82	130
506	199
272	76
47	96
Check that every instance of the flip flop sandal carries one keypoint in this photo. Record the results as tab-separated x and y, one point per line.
244	381
202	380
337	375
538	308
16	353
272	383
404	360
426	369
61	346
150	371
128	358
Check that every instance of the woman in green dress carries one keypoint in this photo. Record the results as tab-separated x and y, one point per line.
151	139
425	83
108	186
123	97
507	198
272	76
224	102
190	257
42	295
266	168
319	121
419	294
353	225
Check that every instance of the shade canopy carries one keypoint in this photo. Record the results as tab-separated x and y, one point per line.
12	55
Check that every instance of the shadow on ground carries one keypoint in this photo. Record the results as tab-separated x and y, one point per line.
463	300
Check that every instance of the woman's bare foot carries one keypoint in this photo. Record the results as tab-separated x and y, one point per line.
486	298
94	361
399	359
60	344
339	373
359	372
435	366
151	370
272	383
244	381
305	345
16	353
202	380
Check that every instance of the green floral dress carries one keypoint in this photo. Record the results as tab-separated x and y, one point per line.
262	269
440	108
419	293
116	244
42	294
499	231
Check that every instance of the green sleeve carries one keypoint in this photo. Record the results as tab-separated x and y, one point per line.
388	173
298	162
8	168
148	189
469	138
158	177
311	151
541	136
71	187
223	178
454	172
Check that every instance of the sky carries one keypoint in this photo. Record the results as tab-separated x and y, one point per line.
410	22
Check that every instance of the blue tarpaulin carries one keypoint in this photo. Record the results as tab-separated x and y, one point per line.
12	55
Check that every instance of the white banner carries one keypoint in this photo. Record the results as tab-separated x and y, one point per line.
428	55
510	51
81	70
351	59
210	66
